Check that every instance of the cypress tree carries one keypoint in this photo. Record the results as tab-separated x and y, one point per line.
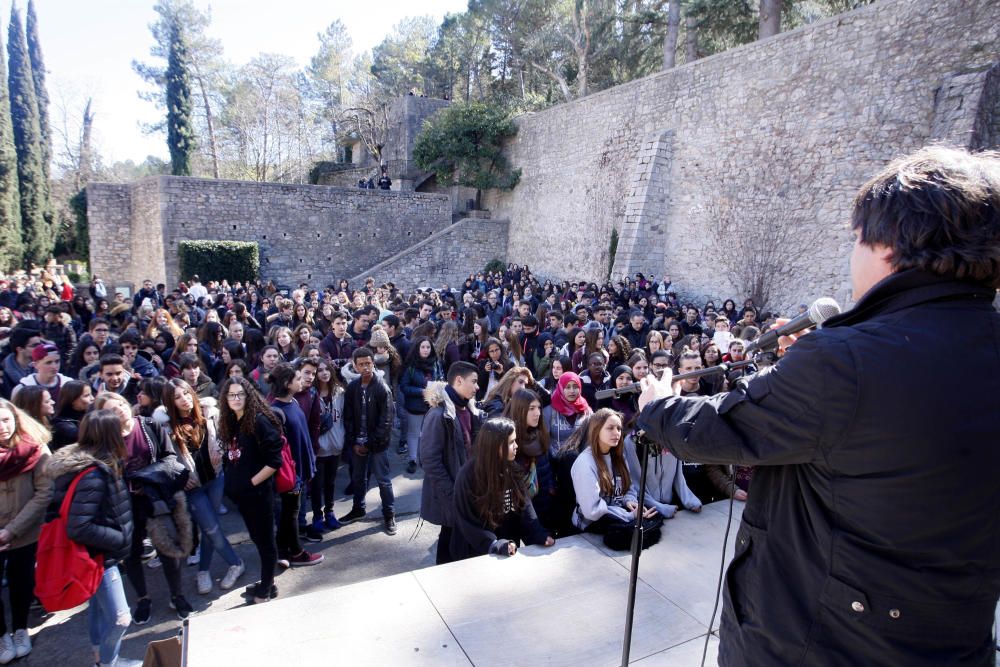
41	94
11	246
24	116
180	131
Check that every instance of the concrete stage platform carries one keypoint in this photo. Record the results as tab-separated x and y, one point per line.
559	606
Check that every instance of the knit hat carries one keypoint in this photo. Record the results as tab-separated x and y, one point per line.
43	350
379	338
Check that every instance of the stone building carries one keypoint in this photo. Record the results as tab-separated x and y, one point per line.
759	147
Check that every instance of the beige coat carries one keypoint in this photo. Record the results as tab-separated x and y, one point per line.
23	500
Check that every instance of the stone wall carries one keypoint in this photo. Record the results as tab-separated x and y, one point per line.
305	232
109	211
783	131
406	118
446	257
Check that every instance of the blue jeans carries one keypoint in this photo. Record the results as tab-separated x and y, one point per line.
108	616
204	502
380	471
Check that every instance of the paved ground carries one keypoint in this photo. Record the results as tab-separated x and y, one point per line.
61	639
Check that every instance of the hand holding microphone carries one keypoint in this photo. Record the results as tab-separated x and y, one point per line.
653	389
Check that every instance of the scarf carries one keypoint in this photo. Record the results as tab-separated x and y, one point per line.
532	448
18	459
464	417
455	398
559	402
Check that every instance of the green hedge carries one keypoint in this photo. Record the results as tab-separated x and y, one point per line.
218	260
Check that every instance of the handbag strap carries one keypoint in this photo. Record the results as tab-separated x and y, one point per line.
68	498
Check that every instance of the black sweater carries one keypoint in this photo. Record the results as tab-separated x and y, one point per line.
472	537
262	448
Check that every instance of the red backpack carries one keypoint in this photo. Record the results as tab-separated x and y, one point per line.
284	479
66	575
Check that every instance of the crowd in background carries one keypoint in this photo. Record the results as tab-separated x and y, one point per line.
494	392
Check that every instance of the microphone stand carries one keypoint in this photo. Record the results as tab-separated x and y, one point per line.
646	448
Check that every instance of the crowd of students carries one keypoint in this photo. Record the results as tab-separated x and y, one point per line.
172	400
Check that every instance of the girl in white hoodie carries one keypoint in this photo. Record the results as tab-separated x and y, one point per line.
606	493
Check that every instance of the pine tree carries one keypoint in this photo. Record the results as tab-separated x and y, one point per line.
41	94
180	131
11	246
24	116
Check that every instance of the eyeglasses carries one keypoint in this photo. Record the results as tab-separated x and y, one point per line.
237	397
661	365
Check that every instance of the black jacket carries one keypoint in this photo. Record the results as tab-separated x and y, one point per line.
377	415
100	514
442	454
472	537
870	536
262	448
159	481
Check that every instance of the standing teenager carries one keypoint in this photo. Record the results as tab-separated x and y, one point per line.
449	429
24	493
250	435
195	436
99	518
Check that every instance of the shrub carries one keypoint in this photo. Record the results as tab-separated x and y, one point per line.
495	265
218	260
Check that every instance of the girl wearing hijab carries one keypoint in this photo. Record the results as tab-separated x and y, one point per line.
562	417
545	351
626	405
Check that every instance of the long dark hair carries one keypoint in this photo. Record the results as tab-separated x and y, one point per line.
229	425
605	477
29	398
517	411
68	393
101	437
76	363
280	378
493	475
188	433
413	357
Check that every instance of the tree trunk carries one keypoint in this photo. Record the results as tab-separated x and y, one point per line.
673	31
582	46
208	121
691	39
559	80
770	18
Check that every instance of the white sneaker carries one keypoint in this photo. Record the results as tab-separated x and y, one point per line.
7	650
22	643
194	558
204	583
154	563
232	574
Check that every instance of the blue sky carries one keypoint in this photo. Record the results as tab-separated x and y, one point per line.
89	45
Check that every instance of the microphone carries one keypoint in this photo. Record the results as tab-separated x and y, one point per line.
636	387
820	311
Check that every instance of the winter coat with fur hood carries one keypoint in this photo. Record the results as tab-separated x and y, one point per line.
442	454
100	515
